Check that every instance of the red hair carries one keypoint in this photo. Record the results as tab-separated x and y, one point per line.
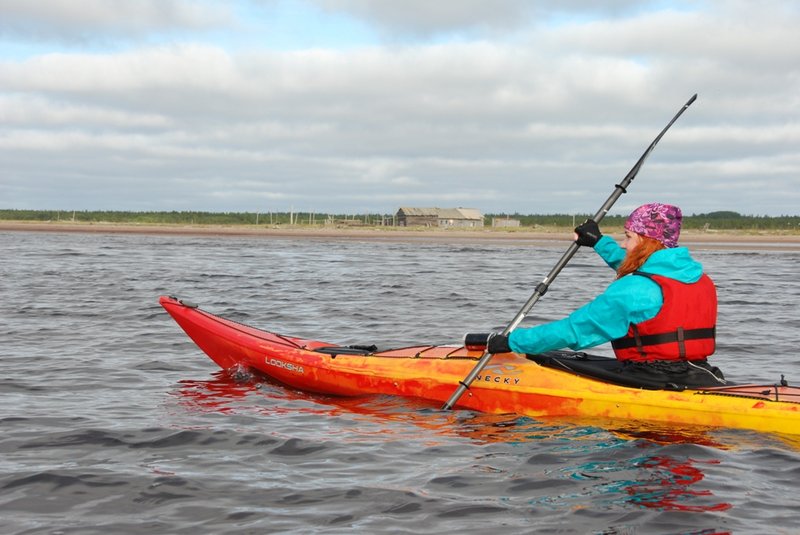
638	255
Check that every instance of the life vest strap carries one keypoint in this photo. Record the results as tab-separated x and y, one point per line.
664	338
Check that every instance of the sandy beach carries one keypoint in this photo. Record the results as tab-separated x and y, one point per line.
771	240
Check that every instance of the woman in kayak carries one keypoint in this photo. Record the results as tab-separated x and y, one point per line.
660	311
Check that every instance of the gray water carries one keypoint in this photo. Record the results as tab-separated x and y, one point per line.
114	422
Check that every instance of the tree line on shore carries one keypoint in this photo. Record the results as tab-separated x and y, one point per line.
723	220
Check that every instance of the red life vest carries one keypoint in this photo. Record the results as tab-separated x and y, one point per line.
684	328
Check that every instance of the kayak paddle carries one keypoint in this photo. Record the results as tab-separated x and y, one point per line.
542	287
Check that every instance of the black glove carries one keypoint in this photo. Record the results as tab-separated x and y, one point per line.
588	233
497	343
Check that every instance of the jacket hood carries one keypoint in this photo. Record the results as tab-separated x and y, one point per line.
675	263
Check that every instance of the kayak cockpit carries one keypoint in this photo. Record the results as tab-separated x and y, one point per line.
676	376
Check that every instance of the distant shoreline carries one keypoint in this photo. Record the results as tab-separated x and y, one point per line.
729	239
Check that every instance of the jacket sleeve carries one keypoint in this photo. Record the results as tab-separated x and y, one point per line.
610	251
627	300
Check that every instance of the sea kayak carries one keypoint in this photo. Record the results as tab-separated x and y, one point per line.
555	385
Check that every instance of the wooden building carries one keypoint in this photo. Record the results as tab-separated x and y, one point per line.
439	217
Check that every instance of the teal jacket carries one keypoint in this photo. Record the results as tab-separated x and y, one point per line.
631	299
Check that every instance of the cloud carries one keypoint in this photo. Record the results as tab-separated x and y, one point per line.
88	20
425	18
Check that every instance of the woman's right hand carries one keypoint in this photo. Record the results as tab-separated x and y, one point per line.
588	233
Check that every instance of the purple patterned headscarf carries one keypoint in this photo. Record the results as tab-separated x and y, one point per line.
661	222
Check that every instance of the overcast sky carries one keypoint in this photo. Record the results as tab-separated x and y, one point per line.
353	106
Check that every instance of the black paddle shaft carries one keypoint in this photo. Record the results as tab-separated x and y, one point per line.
543	286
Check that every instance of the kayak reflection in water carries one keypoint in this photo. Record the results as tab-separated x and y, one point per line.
659	313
